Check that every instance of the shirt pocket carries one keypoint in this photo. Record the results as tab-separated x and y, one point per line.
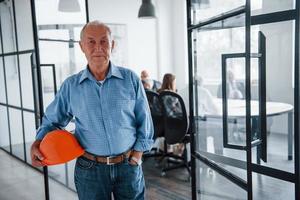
124	105
122	111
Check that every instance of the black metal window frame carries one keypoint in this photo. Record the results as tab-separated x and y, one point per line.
39	80
286	15
37	85
21	108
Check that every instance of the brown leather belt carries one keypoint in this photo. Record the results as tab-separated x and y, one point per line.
109	160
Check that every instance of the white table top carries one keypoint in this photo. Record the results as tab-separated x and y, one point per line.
237	108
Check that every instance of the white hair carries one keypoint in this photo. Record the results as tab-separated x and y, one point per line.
94	23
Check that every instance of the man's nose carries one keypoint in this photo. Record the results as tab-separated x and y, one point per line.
98	47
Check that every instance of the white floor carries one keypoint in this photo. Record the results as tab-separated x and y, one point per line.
18	181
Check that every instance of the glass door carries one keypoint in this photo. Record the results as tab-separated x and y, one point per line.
218	45
272	35
244	88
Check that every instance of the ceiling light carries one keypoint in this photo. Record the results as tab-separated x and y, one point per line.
147	10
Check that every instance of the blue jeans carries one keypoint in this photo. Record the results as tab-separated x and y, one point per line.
97	181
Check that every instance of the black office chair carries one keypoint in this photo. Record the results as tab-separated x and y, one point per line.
157	117
175	128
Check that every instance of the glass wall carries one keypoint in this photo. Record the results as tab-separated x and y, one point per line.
212	185
222	64
204	10
279	59
209	62
60	56
269	6
17	110
16	93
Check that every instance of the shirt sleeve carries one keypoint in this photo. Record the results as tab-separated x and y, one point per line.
144	124
57	114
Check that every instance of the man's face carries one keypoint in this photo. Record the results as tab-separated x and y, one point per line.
144	75
97	45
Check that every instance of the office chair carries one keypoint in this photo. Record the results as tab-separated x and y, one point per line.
175	128
157	118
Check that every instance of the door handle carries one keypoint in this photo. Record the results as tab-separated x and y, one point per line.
262	119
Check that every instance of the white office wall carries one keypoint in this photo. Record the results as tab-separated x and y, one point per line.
279	60
165	37
179	41
141	33
158	45
172	42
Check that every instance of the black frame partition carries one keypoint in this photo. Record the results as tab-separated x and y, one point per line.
297	100
206	158
258	123
209	158
36	73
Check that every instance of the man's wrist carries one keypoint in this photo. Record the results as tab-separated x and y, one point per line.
136	160
137	154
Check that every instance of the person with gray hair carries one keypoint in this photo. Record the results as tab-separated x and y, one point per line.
112	119
235	89
149	83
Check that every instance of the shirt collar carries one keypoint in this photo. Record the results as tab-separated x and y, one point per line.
113	71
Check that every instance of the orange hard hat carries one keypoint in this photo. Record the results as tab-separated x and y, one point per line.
60	146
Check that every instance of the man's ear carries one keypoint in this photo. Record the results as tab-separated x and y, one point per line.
112	45
80	44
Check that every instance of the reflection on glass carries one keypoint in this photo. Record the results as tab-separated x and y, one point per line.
57	17
209	56
209	67
212	43
212	185
2	83
259	7
13	93
0	37
26	81
58	173
265	187
64	54
206	9
16	133
279	91
58	41
30	132
7	26
4	136
24	25
71	168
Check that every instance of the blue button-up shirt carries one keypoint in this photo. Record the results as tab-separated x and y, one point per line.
110	117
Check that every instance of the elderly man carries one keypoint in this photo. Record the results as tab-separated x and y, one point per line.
148	83
112	118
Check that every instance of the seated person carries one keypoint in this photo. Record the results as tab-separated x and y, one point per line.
175	110
235	89
206	104
146	85
153	84
169	84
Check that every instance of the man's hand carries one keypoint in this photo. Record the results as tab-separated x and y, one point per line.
138	155
36	155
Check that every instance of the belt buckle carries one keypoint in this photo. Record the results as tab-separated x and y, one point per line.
107	160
